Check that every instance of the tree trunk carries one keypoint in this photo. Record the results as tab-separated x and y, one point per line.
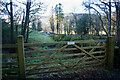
11	18
16	30
22	26
57	27
27	18
117	20
118	32
109	28
27	33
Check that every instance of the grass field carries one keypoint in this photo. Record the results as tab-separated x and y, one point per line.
37	36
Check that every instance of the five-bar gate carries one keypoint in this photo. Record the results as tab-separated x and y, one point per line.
43	58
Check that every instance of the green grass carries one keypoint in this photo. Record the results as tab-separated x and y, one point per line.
37	36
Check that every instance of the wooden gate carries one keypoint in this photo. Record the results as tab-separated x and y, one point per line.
62	56
58	57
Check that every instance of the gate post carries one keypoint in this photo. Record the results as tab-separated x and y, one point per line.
21	59
110	52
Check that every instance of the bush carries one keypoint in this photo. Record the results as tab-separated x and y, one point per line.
6	35
66	38
57	38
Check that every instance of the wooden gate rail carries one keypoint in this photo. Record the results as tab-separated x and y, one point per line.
59	66
53	56
7	71
66	60
64	42
67	49
69	55
87	57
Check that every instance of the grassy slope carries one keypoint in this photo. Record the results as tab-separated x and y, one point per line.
37	36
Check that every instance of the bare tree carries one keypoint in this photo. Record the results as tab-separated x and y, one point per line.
11	18
109	28
21	14
100	16
117	18
26	25
32	10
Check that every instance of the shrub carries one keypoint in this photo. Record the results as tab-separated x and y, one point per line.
66	38
57	38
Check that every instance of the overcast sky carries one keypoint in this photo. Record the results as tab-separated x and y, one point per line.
68	5
71	5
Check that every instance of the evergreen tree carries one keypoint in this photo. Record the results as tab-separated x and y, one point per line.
66	27
51	20
59	16
52	23
82	25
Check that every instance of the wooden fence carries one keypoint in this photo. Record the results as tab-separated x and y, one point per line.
40	58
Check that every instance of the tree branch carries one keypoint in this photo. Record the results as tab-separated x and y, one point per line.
7	8
99	17
104	3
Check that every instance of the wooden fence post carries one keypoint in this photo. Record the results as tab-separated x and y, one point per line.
21	59
110	52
